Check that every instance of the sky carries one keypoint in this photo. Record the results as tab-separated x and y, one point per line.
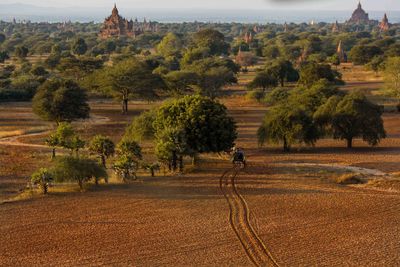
386	5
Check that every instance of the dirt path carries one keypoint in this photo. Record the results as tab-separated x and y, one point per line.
355	169
240	221
15	140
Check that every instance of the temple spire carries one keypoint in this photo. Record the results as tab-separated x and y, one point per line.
115	10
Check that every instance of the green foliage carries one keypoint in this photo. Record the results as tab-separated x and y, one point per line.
180	82
130	78
2	38
284	71
212	40
42	178
80	170
392	77
102	146
257	95
170	45
21	52
79	47
352	116
127	163
265	79
60	100
39	71
172	144
3	56
78	67
276	96
66	137
312	72
287	124
151	167
362	54
141	126
206	124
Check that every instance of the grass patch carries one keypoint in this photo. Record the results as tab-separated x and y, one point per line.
350	178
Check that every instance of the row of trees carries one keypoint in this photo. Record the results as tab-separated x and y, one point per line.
308	113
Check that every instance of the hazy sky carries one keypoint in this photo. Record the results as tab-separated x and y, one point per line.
386	5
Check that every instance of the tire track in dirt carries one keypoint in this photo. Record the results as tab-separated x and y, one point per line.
240	221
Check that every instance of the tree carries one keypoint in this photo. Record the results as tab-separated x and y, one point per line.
80	170
141	127
42	178
362	54
180	82
132	78
65	137
172	146
170	45
79	47
2	38
21	52
285	71
246	59
276	96
103	147
264	80
78	67
211	39
352	116
206	123
376	64
127	163
61	100
312	72
3	56
39	71
392	77
287	124
213	80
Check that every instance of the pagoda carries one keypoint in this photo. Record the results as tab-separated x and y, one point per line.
359	16
336	27
116	26
384	25
340	52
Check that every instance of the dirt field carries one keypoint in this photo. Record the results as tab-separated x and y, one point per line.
283	209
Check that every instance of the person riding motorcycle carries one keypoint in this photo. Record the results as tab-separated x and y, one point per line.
238	156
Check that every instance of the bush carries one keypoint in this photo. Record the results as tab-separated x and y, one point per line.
349	178
255	95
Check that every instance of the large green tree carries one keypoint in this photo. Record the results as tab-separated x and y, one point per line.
206	123
103	147
312	72
61	100
392	77
352	116
211	39
80	170
132	78
79	47
264	79
287	124
170	45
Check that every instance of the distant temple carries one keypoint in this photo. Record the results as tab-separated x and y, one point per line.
336	27
359	16
115	26
340	52
384	25
248	37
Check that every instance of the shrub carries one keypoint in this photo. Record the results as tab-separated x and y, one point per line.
349	178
